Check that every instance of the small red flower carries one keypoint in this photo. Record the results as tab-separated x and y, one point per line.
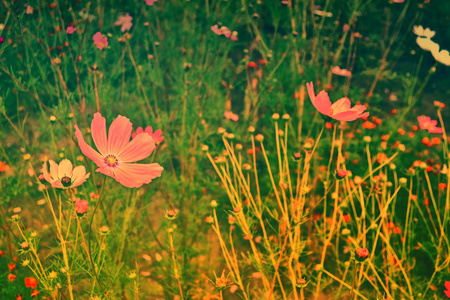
35	293
12	277
347	218
442	186
361	254
31	282
447	289
12	266
252	64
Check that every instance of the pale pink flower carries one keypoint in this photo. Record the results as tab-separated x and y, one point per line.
125	22
64	176
427	33
397	1
340	110
427	44
231	116
70	29
29	10
345	28
117	153
150	2
157	135
100	42
81	206
341	72
427	124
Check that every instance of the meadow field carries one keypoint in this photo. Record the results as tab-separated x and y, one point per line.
225	149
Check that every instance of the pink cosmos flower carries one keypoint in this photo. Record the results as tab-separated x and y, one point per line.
447	289
125	22
81	206
29	10
341	72
225	31
150	2
117	154
156	136
427	124
231	116
70	29
64	176
340	110
100	42
216	29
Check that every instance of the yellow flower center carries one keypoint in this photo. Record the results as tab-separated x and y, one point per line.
111	160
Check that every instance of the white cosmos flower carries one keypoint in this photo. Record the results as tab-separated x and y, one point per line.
418	30
427	44
441	56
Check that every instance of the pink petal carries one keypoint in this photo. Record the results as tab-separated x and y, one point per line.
98	131
79	176
65	168
107	170
139	130
119	134
139	148
349	116
88	150
435	130
216	30
45	172
53	170
135	175
149	130
341	105
321	102
57	184
157	134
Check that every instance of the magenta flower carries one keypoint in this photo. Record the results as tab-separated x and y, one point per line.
125	22
339	110
341	72
427	124
70	29
81	207
117	154
64	176
100	42
157	135
150	2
